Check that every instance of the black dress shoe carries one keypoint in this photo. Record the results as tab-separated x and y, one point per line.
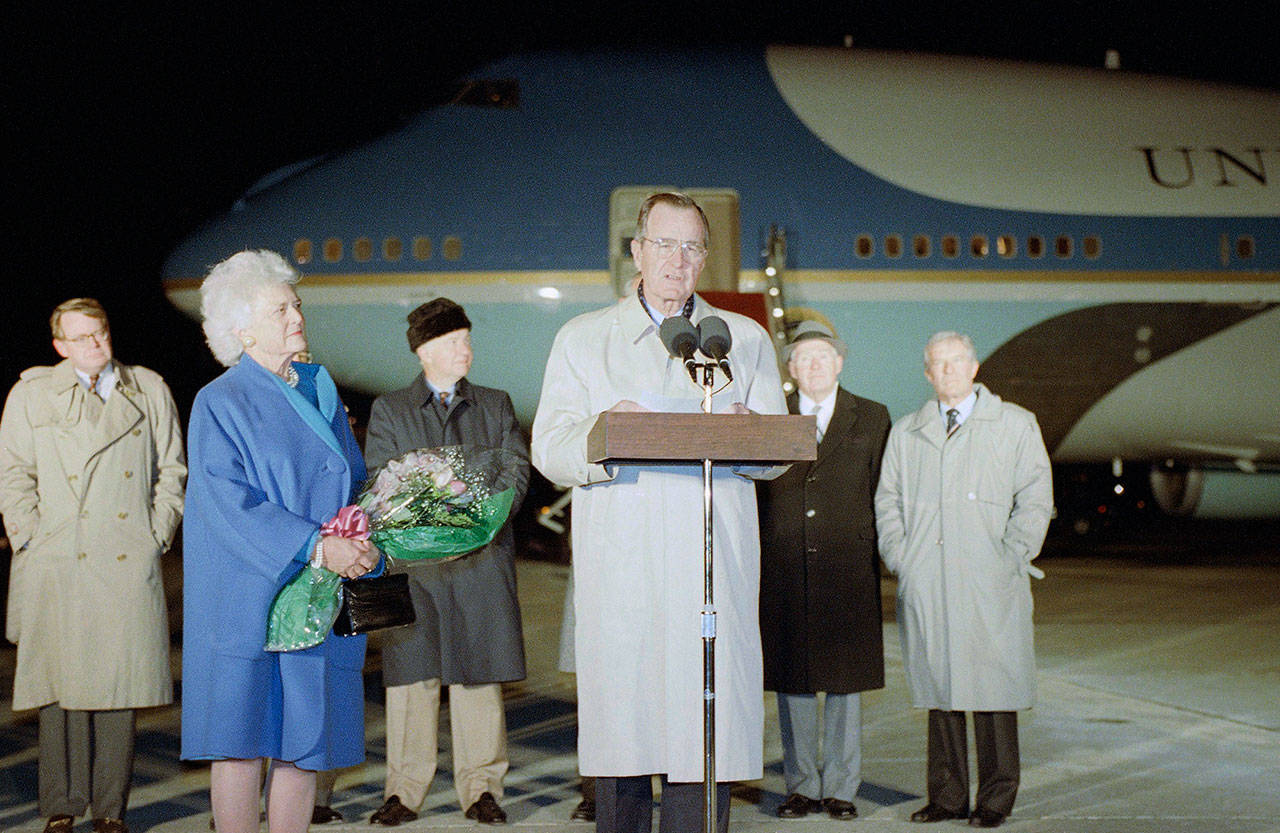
838	808
486	810
585	811
392	813
797	806
982	817
110	826
323	814
930	813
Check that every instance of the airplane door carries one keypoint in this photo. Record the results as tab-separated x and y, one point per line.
721	207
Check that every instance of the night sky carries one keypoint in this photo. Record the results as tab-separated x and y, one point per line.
127	129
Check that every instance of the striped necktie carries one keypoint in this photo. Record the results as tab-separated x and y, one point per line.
953	421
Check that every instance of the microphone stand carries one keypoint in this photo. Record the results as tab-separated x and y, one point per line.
708	617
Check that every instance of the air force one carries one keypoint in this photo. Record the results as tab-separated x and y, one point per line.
1110	240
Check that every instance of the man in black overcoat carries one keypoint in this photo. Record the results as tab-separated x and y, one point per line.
468	631
820	581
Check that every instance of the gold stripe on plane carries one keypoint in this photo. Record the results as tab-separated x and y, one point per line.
594	277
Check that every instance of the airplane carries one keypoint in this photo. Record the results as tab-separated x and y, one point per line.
1110	240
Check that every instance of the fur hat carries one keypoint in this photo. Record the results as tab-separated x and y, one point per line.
807	330
435	318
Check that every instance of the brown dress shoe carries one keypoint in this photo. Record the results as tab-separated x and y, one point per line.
59	824
323	814
798	806
392	813
585	811
840	809
109	826
486	810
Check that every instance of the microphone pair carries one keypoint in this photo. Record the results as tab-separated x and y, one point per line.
711	336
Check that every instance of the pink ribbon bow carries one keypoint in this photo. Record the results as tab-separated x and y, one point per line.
350	522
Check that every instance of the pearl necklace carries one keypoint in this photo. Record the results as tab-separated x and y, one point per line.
291	376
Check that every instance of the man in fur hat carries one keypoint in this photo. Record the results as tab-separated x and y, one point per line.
467	634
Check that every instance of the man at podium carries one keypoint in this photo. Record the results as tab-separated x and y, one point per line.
638	540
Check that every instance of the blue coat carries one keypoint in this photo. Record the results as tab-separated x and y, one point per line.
267	469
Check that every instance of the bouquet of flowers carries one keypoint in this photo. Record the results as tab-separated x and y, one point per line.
425	505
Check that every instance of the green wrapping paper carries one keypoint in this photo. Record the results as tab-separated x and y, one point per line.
304	610
419	543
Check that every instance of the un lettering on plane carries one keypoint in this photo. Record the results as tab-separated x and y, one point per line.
1218	167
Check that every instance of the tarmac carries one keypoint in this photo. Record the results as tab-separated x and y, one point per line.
1158	712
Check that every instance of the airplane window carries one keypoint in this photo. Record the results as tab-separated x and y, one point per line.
1062	246
422	248
950	246
1244	247
864	246
392	248
362	249
302	250
920	245
1006	245
892	245
978	246
1092	246
452	248
1035	246
332	250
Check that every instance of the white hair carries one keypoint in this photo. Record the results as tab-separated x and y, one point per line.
949	335
228	293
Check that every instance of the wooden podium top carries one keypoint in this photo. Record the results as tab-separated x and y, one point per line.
728	438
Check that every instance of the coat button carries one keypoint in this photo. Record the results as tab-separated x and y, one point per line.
810	513
128	474
123	515
82	555
71	477
137	432
121	557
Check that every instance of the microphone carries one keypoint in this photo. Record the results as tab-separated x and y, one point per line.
680	339
715	341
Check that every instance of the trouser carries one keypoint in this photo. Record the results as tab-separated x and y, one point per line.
477	724
625	805
86	761
836	771
996	737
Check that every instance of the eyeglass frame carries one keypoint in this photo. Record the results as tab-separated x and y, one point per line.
99	336
692	249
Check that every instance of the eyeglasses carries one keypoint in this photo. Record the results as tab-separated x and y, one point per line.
98	336
667	246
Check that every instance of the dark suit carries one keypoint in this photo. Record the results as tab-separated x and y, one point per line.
468	629
820	620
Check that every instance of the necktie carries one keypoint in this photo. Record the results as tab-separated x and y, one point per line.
952	421
816	410
444	398
93	387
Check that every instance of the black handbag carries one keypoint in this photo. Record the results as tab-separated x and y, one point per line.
371	604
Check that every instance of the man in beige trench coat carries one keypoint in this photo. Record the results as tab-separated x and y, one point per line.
91	485
962	508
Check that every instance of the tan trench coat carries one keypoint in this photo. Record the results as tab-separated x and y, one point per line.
89	508
959	521
637	553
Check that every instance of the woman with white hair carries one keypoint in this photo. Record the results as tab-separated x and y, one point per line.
272	459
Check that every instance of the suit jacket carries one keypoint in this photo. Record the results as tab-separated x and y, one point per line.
89	507
820	621
468	627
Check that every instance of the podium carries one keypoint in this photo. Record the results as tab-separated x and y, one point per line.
655	438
